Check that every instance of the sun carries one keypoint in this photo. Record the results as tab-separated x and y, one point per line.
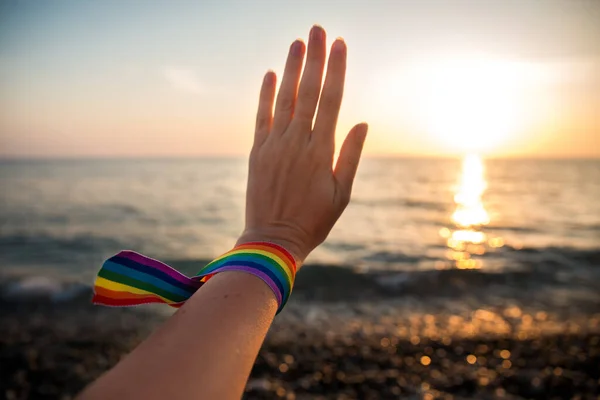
470	104
454	103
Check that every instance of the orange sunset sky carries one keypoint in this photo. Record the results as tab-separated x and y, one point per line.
181	78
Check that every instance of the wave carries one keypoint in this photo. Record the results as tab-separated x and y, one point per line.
558	277
395	258
27	288
42	249
75	214
540	283
404	202
512	228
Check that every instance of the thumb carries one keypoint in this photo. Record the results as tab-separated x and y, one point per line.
347	163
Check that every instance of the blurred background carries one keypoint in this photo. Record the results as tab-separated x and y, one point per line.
466	266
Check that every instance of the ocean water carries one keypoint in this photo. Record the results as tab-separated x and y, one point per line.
509	223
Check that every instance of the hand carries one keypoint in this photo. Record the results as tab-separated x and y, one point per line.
294	194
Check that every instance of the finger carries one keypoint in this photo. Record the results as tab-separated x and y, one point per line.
286	99
347	163
331	98
264	115
310	86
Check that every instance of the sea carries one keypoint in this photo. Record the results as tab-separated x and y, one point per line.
522	230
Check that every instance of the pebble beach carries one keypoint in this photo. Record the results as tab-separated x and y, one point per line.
324	349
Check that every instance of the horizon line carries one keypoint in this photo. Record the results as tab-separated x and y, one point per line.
4	158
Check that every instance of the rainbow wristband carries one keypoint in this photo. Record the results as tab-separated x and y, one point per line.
129	278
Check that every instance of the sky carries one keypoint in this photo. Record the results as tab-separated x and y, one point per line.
181	78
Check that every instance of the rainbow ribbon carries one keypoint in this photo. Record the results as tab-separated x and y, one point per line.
129	278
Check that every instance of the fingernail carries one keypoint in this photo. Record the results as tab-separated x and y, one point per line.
297	48
317	33
339	45
269	76
363	132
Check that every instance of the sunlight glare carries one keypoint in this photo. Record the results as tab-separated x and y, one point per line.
470	215
470	104
470	210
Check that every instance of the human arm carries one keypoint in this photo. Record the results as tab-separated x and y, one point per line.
294	197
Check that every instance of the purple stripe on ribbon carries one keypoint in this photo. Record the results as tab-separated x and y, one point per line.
152	263
256	273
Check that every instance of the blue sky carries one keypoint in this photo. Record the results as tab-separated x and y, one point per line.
180	78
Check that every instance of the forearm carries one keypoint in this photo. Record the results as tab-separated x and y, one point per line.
206	350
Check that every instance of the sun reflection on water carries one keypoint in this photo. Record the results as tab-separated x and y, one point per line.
470	211
466	239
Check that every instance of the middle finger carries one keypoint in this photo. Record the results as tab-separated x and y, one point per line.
310	86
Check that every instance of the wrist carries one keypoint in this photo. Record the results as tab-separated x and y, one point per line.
296	250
